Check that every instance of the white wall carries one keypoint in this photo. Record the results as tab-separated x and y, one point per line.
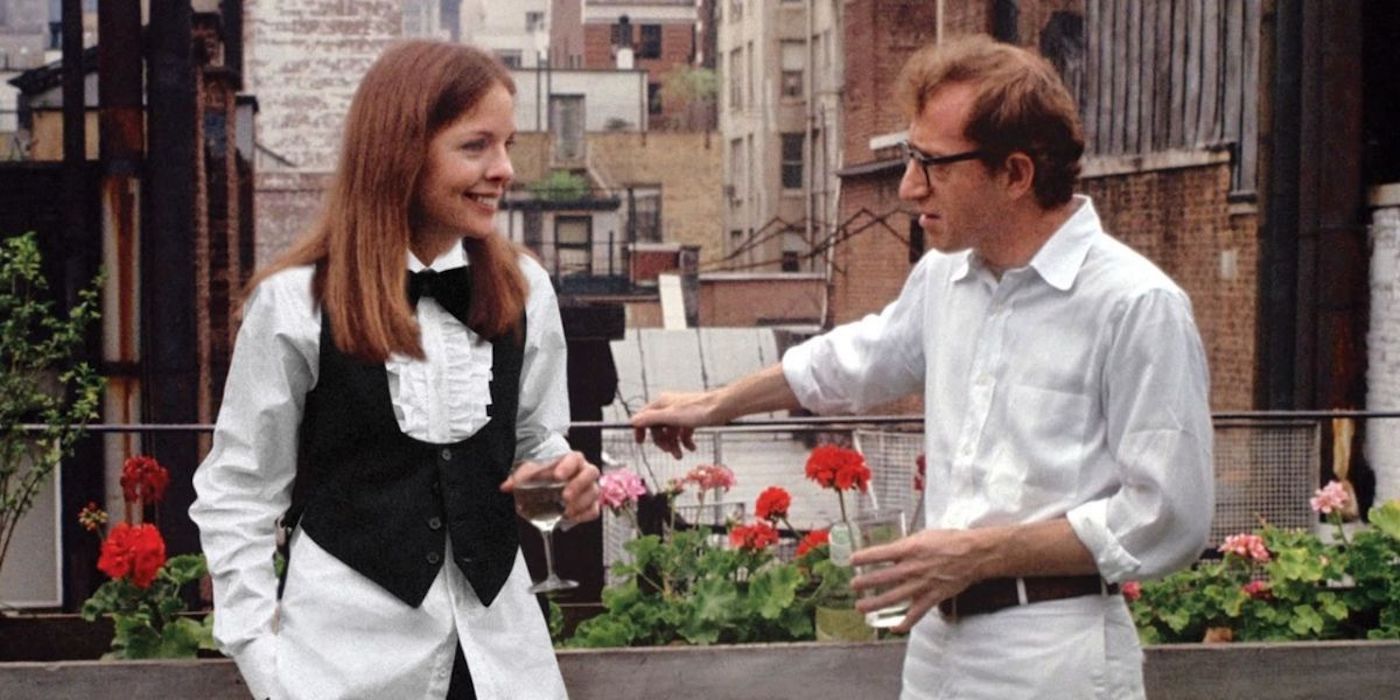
500	26
607	95
1383	347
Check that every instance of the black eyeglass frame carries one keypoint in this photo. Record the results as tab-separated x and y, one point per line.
925	160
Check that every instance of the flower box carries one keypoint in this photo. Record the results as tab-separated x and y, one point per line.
807	670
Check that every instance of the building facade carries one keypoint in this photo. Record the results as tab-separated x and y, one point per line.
781	78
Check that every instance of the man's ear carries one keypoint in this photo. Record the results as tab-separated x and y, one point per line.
1019	174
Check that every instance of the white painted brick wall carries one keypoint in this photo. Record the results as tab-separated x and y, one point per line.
1383	349
304	59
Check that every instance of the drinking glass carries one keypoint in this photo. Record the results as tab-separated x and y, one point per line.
539	498
871	528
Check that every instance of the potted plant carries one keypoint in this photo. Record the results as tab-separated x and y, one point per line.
1279	585
41	380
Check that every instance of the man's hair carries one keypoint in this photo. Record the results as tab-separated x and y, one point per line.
1021	105
413	91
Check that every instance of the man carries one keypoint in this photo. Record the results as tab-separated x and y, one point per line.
1067	432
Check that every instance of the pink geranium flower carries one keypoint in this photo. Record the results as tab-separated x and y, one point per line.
1246	547
621	488
711	476
1258	590
1132	590
1329	498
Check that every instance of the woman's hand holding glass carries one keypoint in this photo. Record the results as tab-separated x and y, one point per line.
581	483
545	492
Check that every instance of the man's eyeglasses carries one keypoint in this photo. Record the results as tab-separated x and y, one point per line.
925	160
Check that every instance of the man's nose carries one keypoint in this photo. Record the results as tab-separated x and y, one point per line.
914	185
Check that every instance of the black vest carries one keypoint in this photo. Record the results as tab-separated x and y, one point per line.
383	502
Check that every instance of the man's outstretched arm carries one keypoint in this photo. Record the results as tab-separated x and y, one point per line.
673	418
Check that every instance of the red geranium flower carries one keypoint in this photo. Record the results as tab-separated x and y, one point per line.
919	474
838	468
773	504
753	537
135	552
813	539
144	480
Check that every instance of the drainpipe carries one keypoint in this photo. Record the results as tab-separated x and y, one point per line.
169	370
122	129
1278	251
808	147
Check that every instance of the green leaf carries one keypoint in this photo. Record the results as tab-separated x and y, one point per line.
775	590
185	568
180	639
1386	518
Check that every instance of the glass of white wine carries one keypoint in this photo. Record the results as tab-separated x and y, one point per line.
539	498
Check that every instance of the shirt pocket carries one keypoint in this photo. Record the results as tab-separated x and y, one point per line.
1050	430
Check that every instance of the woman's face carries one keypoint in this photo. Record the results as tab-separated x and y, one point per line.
467	171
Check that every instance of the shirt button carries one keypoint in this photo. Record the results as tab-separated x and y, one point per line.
437	487
433	557
434	523
446	454
984	379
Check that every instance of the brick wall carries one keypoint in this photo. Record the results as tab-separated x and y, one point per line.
879	36
686	165
303	61
677	48
1180	220
1383	362
744	300
286	205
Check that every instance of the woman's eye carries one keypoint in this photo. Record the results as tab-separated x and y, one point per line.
477	145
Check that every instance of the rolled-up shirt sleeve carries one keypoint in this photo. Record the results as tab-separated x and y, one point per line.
245	483
543	416
865	363
1159	433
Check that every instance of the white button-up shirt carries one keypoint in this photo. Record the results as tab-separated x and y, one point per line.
1074	387
336	634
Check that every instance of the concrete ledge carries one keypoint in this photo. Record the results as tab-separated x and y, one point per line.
1107	166
810	671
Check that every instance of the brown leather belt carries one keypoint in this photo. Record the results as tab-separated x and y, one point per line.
994	594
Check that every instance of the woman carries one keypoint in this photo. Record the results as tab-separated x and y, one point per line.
389	371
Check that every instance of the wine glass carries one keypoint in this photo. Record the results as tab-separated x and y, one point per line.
539	498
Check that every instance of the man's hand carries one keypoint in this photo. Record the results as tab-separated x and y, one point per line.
672	420
925	569
581	493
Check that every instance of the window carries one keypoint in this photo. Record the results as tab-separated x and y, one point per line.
736	79
566	125
533	21
792	161
736	10
511	58
645	203
651	41
573	236
791	261
736	171
654	98
750	73
794	61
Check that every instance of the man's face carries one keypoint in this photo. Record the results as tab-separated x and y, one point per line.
958	202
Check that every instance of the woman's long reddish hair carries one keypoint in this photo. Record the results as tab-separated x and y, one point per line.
359	242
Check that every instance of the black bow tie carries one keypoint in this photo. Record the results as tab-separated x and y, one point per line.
451	288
